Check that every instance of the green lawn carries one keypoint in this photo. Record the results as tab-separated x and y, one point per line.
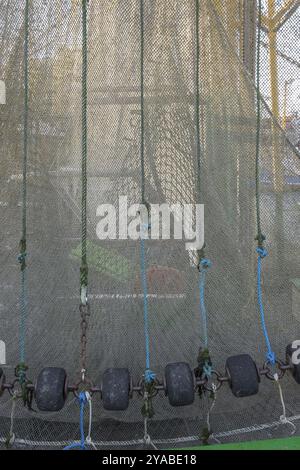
291	443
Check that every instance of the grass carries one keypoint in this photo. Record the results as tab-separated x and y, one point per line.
291	443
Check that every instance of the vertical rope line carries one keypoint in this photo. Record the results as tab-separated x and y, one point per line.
197	114
84	274
23	303
258	126
270	354
25	131
262	253
146	318
23	316
149	375
142	102
202	306
204	264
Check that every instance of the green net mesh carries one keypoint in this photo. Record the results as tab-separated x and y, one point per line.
228	135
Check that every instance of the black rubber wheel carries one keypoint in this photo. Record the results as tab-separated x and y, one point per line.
243	375
180	384
50	389
295	367
115	389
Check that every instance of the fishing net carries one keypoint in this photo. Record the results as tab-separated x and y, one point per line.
228	123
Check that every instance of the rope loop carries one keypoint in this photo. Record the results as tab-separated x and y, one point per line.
262	252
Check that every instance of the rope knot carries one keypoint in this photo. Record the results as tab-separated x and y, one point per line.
20	371
22	260
149	376
260	238
82	398
262	252
21	257
207	369
205	263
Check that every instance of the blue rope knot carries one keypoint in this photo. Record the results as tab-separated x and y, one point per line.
262	252
207	369
149	376
82	398
205	263
81	445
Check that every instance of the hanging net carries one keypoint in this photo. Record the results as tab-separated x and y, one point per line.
228	123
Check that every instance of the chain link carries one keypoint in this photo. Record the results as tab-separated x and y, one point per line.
148	393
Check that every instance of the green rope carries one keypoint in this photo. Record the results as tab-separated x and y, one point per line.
142	103
198	133
260	237
201	253
22	253
84	267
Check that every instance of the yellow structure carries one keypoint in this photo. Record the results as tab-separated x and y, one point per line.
272	22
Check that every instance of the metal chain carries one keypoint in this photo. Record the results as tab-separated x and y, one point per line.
147	391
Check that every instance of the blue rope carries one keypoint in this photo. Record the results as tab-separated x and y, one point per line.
81	445
262	253
149	375
205	264
207	369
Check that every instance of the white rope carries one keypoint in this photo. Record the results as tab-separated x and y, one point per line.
128	296
89	436
11	436
177	440
147	439
283	418
211	435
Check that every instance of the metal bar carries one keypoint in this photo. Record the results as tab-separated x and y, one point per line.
283	55
278	19
273	62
